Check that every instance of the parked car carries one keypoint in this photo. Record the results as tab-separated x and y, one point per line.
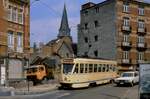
131	77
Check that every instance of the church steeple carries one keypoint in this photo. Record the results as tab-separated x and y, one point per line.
64	29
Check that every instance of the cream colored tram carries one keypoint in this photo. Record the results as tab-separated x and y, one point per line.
83	72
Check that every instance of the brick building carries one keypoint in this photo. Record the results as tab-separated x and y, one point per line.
14	38
117	30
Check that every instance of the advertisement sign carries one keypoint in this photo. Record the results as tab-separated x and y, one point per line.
144	87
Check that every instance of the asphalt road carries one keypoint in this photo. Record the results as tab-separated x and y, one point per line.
109	91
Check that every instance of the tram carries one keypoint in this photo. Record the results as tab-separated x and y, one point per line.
83	72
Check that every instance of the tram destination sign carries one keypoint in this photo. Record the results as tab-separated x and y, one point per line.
144	88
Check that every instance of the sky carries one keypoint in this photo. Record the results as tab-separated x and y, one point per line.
45	18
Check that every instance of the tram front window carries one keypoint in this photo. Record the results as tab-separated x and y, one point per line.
67	68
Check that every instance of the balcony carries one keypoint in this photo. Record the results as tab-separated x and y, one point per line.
126	45
141	31
141	46
126	28
140	61
126	61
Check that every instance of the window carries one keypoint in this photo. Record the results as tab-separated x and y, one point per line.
86	40
95	67
96	37
126	7
14	14
141	24
81	68
125	38
103	68
126	21
85	13
125	55
10	38
96	53
86	25
96	24
140	39
97	9
20	40
90	68
86	53
141	11
107	68
99	67
41	69
20	16
140	56
76	68
9	13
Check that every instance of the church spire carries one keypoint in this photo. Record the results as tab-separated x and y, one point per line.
64	29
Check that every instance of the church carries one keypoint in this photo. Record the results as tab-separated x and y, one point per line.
56	49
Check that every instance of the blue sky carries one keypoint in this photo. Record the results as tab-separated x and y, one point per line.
46	17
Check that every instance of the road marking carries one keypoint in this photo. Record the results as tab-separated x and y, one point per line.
62	95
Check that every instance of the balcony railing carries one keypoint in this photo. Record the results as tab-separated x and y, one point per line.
126	61
126	44
141	46
140	61
126	28
141	30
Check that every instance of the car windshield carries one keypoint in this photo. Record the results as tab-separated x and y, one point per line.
127	75
67	68
31	70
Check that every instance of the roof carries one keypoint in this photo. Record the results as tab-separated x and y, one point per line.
91	4
64	29
52	42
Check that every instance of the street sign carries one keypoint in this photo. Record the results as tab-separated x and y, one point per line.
144	87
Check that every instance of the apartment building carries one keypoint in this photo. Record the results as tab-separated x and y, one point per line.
14	38
117	30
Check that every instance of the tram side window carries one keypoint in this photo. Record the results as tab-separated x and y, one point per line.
107	68
81	68
114	68
99	68
90	68
103	69
95	67
110	68
86	68
76	68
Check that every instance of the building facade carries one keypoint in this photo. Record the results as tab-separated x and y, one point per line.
117	30
14	37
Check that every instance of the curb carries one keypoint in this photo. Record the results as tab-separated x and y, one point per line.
33	93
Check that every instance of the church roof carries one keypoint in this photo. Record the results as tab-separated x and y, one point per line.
64	29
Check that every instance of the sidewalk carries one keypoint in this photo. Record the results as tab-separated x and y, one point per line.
38	89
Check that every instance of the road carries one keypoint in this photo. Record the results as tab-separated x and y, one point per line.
109	91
